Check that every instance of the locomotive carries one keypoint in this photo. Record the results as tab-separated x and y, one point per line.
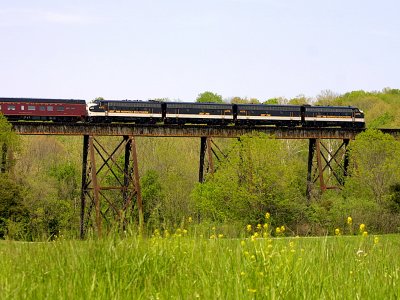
152	112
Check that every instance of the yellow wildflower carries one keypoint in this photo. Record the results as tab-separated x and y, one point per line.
349	220
265	226
190	220
220	236
283	228
337	231
259	226
365	233
362	227
248	228
212	236
376	240
267	215
278	230
184	231
252	290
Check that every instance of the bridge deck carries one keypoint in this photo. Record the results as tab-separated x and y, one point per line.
49	128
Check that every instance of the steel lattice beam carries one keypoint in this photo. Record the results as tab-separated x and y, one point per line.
110	182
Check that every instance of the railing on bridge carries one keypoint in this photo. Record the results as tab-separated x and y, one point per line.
115	129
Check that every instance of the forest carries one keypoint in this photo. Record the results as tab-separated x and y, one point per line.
41	178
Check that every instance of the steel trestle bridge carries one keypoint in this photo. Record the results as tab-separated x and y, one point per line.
326	169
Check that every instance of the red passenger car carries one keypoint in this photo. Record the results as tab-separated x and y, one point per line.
59	110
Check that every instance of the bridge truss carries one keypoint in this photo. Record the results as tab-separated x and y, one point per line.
110	172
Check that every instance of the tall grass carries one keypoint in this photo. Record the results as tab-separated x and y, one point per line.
183	267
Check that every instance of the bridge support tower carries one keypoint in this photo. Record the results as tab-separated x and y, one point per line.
328	161
110	185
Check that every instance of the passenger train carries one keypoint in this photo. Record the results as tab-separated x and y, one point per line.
152	112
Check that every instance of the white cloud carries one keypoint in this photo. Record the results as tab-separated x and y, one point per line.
21	17
65	18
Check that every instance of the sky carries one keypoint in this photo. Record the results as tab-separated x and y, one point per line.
177	49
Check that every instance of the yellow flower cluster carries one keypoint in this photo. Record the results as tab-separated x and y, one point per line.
363	230
259	230
280	230
349	220
216	235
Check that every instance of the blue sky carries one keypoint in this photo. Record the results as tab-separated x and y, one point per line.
180	48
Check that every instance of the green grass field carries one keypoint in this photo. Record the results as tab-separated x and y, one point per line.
187	267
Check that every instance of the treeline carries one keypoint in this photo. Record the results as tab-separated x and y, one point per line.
40	192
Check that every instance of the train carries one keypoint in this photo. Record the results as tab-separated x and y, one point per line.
180	113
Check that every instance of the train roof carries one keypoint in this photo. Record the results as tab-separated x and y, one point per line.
318	107
194	104
268	106
39	100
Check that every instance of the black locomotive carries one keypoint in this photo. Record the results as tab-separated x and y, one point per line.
224	114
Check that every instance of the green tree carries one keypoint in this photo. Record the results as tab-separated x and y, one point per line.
375	166
238	100
13	213
278	100
299	100
258	177
209	97
152	195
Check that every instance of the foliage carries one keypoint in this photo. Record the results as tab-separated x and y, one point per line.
279	100
13	213
299	100
257	177
382	109
374	158
259	174
152	195
238	100
209	97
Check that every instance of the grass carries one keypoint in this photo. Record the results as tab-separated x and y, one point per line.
191	267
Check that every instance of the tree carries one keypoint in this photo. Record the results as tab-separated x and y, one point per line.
209	97
238	100
258	177
152	196
326	97
375	168
13	213
299	100
279	100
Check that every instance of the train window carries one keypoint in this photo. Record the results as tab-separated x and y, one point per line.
50	108
22	107
60	108
42	108
0	107
11	107
31	107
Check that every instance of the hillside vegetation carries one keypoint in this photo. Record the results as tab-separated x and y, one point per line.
382	109
40	195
